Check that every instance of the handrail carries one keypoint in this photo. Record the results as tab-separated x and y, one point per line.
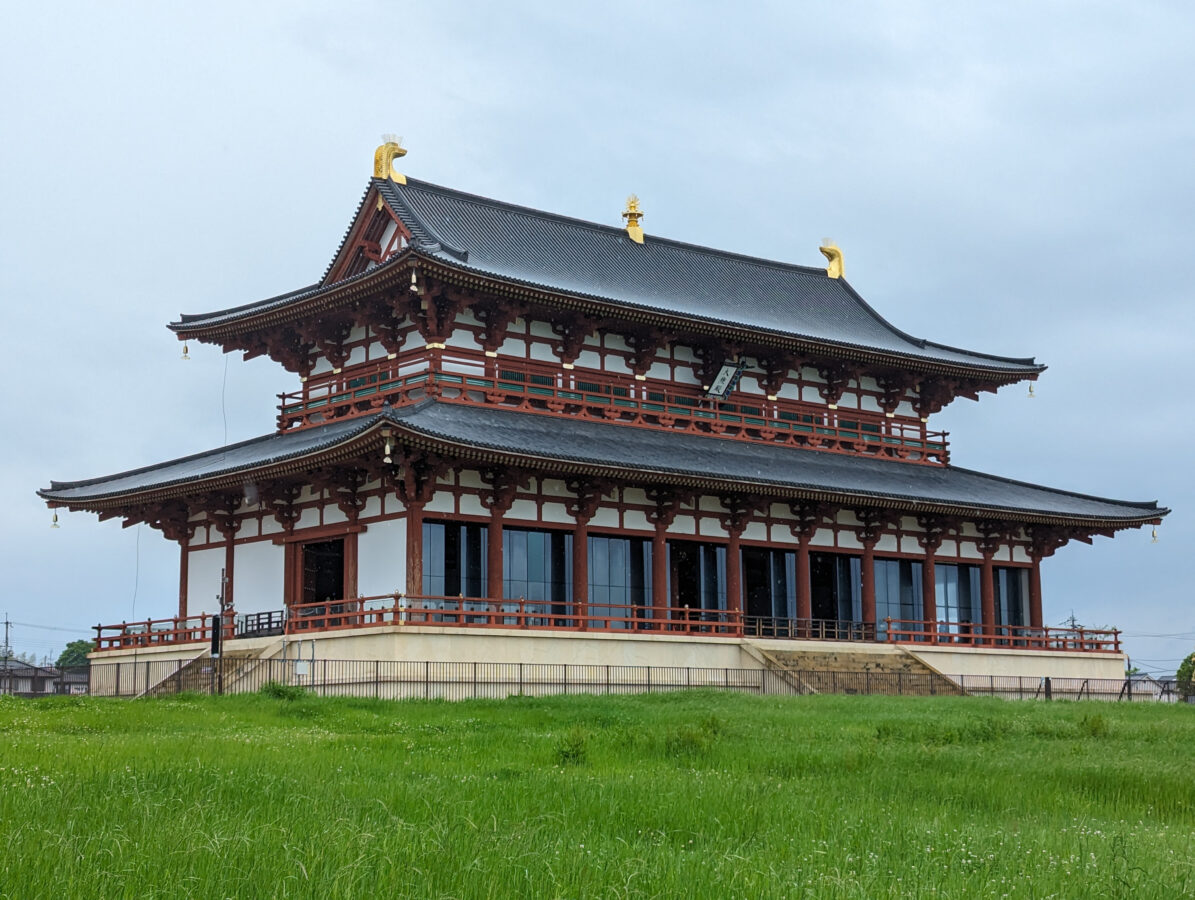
153	632
532	386
1017	637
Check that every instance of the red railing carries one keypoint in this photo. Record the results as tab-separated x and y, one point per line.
521	614
576	393
155	632
479	612
1007	637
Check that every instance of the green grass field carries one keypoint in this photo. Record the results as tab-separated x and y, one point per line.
681	795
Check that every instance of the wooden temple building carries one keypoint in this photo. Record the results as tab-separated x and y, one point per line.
521	436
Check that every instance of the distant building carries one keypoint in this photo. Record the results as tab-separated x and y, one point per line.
19	677
521	436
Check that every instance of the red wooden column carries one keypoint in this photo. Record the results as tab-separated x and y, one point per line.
739	510
667	502
659	572
589	496
804	587
872	525
989	545
581	571
934	530
493	554
869	582
987	595
183	557
1035	616
228	525
414	548
809	516
504	485
734	574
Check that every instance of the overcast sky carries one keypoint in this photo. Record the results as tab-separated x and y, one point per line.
1016	181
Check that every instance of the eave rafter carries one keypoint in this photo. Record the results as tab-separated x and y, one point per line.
939	380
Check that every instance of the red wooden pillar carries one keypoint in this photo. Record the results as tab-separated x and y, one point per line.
493	554
659	572
987	595
869	583
229	560
1035	616
414	549
581	571
804	587
183	558
350	564
929	590
734	577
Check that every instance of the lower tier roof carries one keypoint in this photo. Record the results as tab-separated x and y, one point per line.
545	443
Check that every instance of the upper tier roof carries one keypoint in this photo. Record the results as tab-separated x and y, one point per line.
539	441
583	259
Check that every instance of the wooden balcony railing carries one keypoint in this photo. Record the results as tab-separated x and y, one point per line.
542	388
1006	637
521	614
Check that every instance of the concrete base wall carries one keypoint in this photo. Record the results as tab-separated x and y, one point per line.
396	642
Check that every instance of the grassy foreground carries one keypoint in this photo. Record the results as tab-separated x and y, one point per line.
683	795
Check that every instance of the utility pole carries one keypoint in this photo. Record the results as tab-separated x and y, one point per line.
5	653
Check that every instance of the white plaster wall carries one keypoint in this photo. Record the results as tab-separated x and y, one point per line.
887	544
257	577
557	514
686	525
635	518
605	518
471	505
524	509
542	352
587	359
203	580
755	531
382	558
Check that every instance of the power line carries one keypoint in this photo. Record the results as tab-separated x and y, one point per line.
54	628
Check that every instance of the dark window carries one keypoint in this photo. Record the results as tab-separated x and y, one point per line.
537	567
768	583
898	590
697	575
1010	595
323	571
453	559
835	581
958	600
619	577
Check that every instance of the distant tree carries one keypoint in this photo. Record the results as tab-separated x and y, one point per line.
1185	672
75	654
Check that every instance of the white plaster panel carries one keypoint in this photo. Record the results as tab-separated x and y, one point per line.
711	528
333	515
518	326
790	391
462	366
810	395
524	509
471	478
870	404
587	359
684	375
377	350
257	577
471	505
968	550
782	535
887	544
635	496
466	317
358	333
848	401
356	355
660	370
557	514
613	341
382	558
1019	555
909	523
321	365
948	549
513	347
269	525
755	531
710	504
542	352
541	329
683	525
373	507
909	545
203	580
848	541
636	519
605	518
554	487
441	502
309	518
848	518
823	537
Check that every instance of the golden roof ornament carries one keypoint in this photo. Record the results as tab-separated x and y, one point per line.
633	213
384	157
833	255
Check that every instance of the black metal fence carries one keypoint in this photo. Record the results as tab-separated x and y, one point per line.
396	680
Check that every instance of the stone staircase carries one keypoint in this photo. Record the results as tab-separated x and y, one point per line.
205	675
857	671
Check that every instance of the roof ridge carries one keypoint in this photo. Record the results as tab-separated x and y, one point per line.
615	230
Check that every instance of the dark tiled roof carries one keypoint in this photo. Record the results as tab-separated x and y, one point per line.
578	258
751	466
